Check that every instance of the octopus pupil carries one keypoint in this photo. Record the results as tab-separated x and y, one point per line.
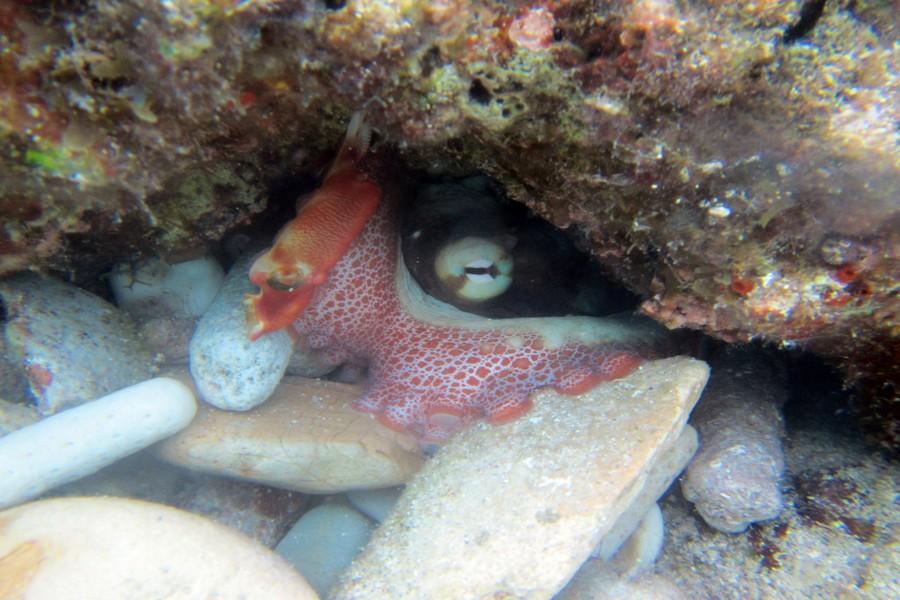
281	287
491	270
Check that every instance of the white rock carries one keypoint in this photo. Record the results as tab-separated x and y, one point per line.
120	549
153	288
306	438
375	504
230	371
73	346
513	510
323	542
639	552
81	440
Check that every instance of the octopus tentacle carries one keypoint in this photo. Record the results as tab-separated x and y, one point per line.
309	246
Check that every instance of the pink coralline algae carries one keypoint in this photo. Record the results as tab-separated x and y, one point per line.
533	30
434	369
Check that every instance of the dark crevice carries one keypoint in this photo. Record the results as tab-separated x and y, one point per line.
478	93
809	16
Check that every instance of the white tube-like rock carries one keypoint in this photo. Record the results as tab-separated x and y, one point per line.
81	440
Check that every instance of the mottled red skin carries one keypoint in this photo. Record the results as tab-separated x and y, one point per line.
432	380
309	245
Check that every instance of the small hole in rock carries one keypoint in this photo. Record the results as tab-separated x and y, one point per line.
478	93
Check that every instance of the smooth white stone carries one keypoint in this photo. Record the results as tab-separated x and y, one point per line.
81	440
153	288
639	552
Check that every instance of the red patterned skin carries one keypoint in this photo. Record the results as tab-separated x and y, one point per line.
308	246
433	378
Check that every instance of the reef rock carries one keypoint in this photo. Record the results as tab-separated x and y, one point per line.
735	164
515	509
735	479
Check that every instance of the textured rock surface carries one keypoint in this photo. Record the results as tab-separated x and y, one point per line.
73	345
168	338
230	371
81	440
736	163
515	509
15	416
735	479
306	437
120	549
13	382
837	536
260	512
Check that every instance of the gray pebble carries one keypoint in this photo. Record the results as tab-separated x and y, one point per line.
324	542
375	504
230	371
72	345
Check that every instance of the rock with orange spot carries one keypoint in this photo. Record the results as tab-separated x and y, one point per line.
513	510
122	549
72	345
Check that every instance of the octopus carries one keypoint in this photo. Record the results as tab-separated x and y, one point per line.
335	275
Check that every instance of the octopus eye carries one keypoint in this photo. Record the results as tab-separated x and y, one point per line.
474	269
281	286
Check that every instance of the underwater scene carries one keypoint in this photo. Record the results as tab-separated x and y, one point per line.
461	299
